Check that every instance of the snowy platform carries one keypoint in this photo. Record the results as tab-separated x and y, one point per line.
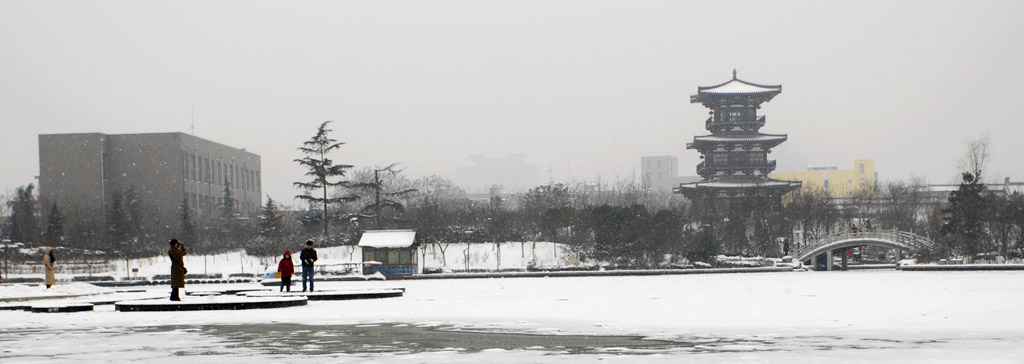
62	307
333	295
204	293
210	303
15	307
961	267
276	282
225	292
870	266
235	291
604	273
109	299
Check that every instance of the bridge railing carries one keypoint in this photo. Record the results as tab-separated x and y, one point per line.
896	236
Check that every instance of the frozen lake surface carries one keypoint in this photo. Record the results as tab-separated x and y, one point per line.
839	317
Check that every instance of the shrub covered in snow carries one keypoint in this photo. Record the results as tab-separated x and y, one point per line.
723	261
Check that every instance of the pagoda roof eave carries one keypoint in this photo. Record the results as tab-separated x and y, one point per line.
738	85
735	86
741	184
768	140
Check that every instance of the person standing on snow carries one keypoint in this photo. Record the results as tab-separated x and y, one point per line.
286	268
178	271
308	256
48	260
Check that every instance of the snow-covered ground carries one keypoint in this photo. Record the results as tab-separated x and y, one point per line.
837	317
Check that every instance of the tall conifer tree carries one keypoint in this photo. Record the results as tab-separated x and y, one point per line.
323	171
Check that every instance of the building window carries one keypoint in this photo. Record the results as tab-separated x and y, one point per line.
720	159
738	159
735	115
192	167
862	168
758	159
404	256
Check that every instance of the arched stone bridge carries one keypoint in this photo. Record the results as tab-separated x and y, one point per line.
894	239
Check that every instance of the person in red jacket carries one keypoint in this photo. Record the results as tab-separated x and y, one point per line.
286	268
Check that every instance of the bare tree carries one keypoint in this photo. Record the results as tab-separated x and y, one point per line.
383	199
900	205
976	155
814	211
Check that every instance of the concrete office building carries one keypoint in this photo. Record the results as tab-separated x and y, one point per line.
661	173
83	172
512	173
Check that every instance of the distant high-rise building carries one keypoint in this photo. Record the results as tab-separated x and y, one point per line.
736	153
661	173
658	172
512	172
83	173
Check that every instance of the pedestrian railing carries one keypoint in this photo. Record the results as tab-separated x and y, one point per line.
894	237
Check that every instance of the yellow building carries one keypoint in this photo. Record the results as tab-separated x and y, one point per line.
837	182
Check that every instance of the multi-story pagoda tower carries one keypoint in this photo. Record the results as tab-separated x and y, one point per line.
735	154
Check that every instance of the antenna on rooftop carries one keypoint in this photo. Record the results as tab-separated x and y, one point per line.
193	127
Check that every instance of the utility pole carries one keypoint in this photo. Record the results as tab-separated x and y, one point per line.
376	196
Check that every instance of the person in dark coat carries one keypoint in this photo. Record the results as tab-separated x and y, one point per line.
286	268
178	271
48	261
308	256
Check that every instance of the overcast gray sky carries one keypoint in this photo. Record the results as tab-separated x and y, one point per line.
582	87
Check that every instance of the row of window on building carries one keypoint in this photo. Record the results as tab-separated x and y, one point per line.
210	203
215	172
739	159
736	115
388	256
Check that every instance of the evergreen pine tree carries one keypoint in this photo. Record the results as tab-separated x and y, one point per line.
119	231
270	234
323	171
963	229
226	228
24	220
54	234
188	232
270	220
227	206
